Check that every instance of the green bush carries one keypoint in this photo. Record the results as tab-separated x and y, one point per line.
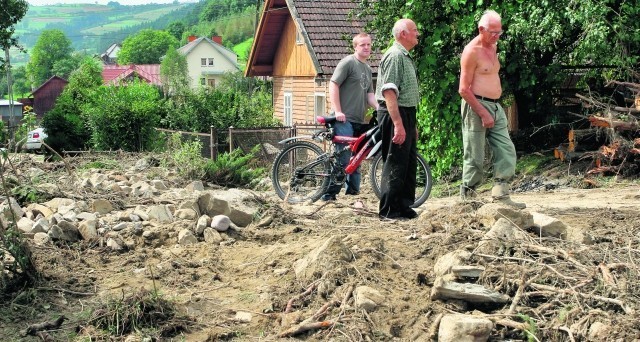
124	117
185	157
233	169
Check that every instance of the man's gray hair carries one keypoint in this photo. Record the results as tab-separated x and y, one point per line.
398	27
487	16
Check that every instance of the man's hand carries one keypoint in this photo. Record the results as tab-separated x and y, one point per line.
399	135
341	117
487	120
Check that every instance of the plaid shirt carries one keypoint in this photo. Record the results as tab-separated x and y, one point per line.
396	67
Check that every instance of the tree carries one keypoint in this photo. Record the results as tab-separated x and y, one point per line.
52	47
174	72
146	47
176	29
20	82
541	39
66	126
12	12
65	67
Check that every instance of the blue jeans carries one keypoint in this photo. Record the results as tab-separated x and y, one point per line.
350	129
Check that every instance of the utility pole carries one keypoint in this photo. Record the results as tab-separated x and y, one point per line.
10	90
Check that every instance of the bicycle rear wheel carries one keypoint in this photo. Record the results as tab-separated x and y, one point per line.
299	174
424	181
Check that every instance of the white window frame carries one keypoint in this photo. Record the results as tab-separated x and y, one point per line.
203	81
288	108
210	62
320	104
203	62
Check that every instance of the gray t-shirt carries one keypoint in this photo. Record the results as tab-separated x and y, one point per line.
354	79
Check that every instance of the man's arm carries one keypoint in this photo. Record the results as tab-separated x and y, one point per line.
391	99
468	65
334	97
371	100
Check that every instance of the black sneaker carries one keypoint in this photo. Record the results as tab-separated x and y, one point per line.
327	197
352	192
409	213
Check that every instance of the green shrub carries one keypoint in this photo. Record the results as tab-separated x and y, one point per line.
185	156
233	170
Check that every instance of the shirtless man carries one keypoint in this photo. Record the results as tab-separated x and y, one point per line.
483	118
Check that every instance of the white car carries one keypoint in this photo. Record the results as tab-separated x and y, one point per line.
35	139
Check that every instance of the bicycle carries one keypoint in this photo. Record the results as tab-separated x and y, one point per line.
302	171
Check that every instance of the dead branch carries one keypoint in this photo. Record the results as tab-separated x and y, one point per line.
323	310
559	253
305	293
33	329
568	331
433	328
304	327
625	308
607	277
524	283
347	295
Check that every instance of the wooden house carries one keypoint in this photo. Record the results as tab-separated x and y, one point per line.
299	43
43	98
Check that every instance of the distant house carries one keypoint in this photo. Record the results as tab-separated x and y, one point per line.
110	56
43	98
208	60
299	43
119	74
6	112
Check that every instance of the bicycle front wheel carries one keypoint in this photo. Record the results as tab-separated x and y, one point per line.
299	172
424	182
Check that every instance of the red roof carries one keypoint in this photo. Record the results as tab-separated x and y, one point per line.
114	74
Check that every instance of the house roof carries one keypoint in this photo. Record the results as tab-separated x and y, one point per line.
228	54
112	50
113	74
47	82
325	25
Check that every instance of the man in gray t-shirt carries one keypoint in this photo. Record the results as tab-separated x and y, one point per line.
351	92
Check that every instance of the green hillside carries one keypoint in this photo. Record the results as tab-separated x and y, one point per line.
91	27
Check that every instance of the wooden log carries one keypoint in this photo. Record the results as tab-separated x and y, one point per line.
598	121
585	139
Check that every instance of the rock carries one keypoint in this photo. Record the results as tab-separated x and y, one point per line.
158	185
25	225
467	271
42	225
548	226
444	263
56	202
203	222
464	328
265	221
212	206
186	214
186	237
243	317
212	236
41	239
120	226
87	229
64	231
86	216
220	223
101	206
599	332
115	243
39	209
11	212
471	293
367	298
160	213
195	186
325	257
502	234
490	213
141	165
97	179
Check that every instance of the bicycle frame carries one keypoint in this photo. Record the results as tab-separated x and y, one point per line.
362	147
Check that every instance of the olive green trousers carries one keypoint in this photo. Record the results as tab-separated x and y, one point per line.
474	138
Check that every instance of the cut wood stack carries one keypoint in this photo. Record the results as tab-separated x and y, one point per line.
613	138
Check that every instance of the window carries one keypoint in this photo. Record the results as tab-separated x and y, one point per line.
288	101
203	81
211	83
320	104
206	62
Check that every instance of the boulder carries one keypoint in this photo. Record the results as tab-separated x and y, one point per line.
464	328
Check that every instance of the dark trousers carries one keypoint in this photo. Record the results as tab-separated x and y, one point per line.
398	185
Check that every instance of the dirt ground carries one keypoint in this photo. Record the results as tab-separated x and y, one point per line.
239	290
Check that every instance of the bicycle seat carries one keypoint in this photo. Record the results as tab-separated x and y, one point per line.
326	120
